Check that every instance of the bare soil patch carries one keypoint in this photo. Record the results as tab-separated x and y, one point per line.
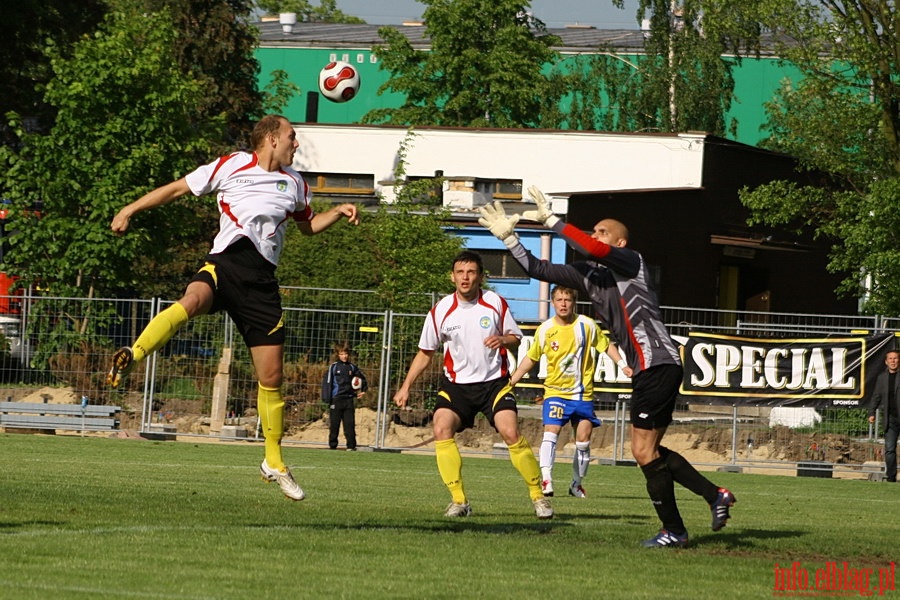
411	430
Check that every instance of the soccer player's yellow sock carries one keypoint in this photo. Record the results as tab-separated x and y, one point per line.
527	465
270	405
159	331
449	464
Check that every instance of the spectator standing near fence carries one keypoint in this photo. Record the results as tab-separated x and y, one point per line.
571	343
257	194
887	393
475	329
342	384
615	279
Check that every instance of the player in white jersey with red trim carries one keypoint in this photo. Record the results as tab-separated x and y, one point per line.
257	194
571	344
461	326
253	202
475	329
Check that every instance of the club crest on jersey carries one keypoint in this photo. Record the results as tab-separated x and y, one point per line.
282	186
485	323
554	346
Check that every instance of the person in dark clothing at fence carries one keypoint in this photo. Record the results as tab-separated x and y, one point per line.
887	392
615	279
342	384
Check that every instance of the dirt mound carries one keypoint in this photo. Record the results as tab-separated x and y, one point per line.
412	429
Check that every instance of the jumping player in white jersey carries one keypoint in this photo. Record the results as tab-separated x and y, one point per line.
475	329
257	194
571	343
615	279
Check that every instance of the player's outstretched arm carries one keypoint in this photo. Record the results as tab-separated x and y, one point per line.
524	366
419	363
322	221
618	258
158	197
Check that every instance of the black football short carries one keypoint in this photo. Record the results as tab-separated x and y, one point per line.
653	394
244	286
469	399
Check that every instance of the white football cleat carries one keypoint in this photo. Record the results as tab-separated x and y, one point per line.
576	490
547	488
285	480
543	509
458	510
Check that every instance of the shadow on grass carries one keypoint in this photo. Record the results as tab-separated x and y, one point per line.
601	516
488	523
743	538
468	524
8	527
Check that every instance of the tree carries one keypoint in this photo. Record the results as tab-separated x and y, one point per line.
214	44
841	119
401	253
484	68
128	121
401	250
326	12
216	40
24	68
682	80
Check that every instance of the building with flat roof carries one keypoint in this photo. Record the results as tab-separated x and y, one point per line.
677	193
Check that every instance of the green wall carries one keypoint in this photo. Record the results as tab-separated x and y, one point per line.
756	80
755	83
303	66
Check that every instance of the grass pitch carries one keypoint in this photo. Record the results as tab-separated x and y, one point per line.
103	518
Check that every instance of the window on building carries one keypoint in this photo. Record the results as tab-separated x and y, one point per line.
504	189
341	183
500	264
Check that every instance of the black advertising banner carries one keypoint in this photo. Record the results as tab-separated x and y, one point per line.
720	369
817	372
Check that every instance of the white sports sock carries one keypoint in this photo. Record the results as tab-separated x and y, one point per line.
548	454
582	461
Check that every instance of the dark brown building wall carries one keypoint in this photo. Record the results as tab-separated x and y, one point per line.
673	230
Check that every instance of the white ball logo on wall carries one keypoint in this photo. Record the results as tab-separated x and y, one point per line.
338	81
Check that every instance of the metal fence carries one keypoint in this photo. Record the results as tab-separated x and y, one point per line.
59	351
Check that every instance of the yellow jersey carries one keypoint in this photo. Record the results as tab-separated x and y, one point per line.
571	353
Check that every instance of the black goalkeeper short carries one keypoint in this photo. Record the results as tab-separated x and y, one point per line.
653	394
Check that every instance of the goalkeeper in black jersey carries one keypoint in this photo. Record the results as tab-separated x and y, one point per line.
615	279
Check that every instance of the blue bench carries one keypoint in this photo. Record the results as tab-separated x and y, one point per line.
38	415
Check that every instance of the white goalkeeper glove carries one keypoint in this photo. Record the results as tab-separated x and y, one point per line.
502	226
543	214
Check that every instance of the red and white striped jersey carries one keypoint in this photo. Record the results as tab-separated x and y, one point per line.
461	328
253	203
